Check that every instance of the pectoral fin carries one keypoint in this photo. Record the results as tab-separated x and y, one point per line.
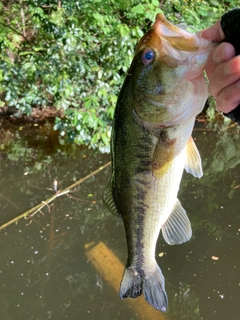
177	229
193	163
108	200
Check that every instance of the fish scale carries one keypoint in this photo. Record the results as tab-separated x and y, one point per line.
151	145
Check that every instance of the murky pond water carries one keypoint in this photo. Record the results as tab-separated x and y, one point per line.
63	262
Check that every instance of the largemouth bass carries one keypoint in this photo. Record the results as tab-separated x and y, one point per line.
151	144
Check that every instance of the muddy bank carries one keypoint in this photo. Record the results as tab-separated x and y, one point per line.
38	115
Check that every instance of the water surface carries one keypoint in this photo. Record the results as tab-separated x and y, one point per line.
44	270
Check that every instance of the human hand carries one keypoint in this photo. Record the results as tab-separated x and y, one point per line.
223	70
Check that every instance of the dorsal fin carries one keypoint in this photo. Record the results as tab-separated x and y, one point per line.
177	229
193	163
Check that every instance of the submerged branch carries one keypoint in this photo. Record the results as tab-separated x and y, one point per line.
12	203
37	208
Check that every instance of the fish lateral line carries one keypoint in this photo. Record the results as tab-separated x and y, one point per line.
164	151
161	95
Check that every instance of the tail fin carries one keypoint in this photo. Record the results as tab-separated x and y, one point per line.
152	285
154	290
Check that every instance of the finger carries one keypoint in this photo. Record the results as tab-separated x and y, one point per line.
229	98
214	33
222	53
224	75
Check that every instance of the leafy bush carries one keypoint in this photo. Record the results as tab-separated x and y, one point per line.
74	55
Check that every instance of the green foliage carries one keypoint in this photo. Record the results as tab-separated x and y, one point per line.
196	14
74	55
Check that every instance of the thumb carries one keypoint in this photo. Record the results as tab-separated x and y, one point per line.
214	32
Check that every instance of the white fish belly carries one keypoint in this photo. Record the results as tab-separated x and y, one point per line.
162	198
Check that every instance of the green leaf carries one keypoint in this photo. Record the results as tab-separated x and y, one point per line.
155	3
138	9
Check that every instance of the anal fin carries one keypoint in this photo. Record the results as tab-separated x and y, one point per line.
177	229
108	200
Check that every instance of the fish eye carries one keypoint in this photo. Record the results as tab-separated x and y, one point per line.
147	56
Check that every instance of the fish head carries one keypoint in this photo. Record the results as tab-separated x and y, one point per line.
167	74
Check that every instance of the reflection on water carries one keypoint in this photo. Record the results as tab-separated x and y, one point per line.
44	270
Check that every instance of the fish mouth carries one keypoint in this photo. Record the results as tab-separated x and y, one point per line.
178	38
174	46
164	32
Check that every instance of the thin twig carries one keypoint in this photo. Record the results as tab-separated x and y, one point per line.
41	205
12	203
16	31
46	203
23	18
230	126
24	37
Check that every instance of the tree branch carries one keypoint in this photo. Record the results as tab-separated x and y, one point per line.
41	205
